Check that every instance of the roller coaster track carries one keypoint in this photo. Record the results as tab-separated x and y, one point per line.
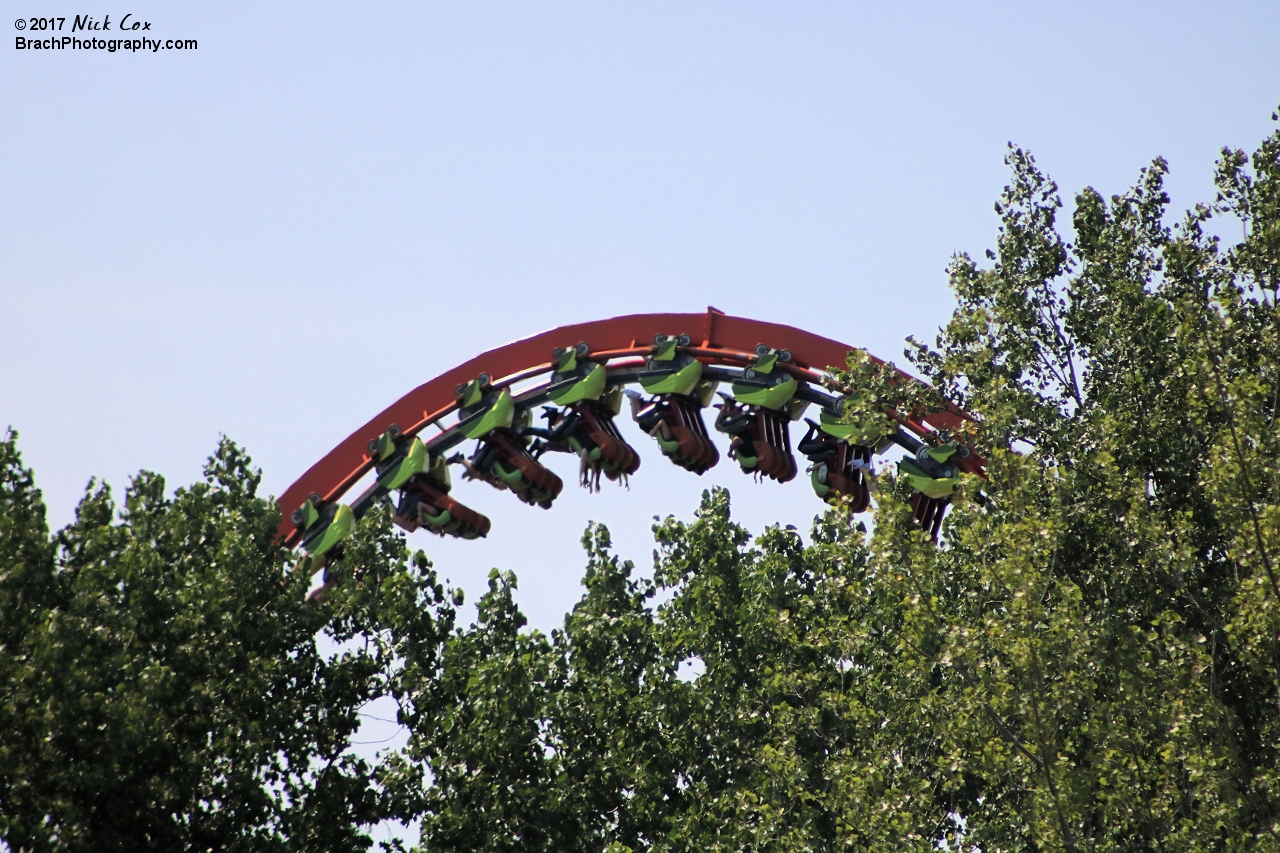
725	345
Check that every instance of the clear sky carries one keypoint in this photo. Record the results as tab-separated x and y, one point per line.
278	233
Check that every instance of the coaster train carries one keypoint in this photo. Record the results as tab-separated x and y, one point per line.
578	376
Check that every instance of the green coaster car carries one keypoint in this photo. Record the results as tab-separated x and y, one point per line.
758	416
669	371
933	477
424	483
673	417
502	457
325	528
763	385
585	426
839	464
931	473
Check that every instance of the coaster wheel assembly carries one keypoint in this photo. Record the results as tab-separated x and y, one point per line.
578	376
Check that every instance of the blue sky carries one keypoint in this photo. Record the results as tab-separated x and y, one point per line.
278	233
275	235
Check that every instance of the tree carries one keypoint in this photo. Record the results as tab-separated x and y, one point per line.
1110	622
1089	660
162	683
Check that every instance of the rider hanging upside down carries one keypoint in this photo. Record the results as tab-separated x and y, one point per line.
839	468
759	418
933	477
502	457
585	426
674	415
423	481
425	502
591	435
761	441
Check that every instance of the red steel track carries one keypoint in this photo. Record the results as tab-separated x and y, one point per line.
717	339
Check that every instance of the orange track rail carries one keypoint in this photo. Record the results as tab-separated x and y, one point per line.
717	338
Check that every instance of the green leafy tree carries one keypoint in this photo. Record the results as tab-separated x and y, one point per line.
1090	660
163	686
800	733
1091	619
478	729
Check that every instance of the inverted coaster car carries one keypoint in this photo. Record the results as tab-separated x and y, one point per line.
759	414
840	459
323	530
585	426
933	477
580	391
673	416
424	483
502	457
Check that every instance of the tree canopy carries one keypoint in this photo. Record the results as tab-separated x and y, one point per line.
1088	660
162	683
